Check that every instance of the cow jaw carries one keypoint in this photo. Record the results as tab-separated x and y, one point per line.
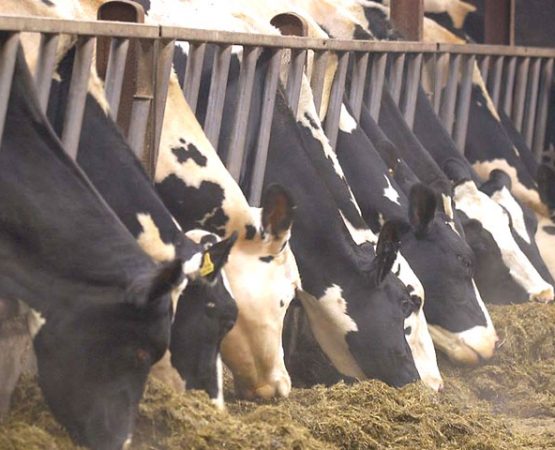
494	219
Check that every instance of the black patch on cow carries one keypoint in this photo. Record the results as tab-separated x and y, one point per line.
47	2
549	229
361	34
266	259
190	205
145	4
250	232
311	121
378	24
191	152
408	331
281	303
208	239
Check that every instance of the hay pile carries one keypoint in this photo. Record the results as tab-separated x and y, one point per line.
505	404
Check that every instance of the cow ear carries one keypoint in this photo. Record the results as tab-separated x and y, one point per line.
497	181
546	185
387	248
215	257
422	209
147	289
277	211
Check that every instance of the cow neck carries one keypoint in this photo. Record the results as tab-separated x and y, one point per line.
60	241
118	175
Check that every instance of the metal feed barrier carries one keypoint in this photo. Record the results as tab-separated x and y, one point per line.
519	80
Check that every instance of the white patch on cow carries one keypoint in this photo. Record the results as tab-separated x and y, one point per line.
529	197
193	264
330	324
390	193
447	206
359	235
127	444
404	271
477	205
423	351
151	241
546	242
218	401
456	9
381	219
469	346
347	123
35	321
505	199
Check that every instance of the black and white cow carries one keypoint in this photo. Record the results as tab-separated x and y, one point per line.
329	288
106	304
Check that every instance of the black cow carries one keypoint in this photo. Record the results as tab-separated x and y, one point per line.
64	252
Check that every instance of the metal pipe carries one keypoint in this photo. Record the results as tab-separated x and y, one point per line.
44	70
216	97
509	85
520	93
396	76
543	107
8	53
295	77
496	82
77	96
376	85
114	73
463	102
138	124
331	125
319	64
447	111
193	72
532	102
484	68
358	80
267	114
442	61
411	88
234	158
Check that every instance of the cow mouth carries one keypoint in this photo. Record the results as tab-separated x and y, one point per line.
459	350
545	296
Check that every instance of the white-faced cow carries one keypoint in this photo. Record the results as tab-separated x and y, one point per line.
106	304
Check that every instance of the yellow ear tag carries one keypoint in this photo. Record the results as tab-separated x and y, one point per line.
207	266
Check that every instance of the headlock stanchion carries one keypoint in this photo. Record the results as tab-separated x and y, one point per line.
518	78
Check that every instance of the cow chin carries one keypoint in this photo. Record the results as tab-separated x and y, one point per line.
277	385
468	347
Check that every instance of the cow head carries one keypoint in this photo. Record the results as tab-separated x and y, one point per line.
503	273
458	320
93	360
205	313
263	276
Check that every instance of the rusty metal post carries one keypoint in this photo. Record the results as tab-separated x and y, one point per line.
407	17
499	20
358	80
376	85
8	53
45	67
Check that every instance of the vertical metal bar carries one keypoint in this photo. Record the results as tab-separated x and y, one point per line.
193	72
447	111
496	81
216	97
318	75
532	102
295	77
463	102
376	85
44	70
166	49
411	87
484	68
115	72
442	62
358	80
73	118
239	131
396	76
267	114
509	85
520	92
8	53
543	106
331	125
141	108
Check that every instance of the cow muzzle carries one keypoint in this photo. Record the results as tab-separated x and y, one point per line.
278	386
468	347
544	295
